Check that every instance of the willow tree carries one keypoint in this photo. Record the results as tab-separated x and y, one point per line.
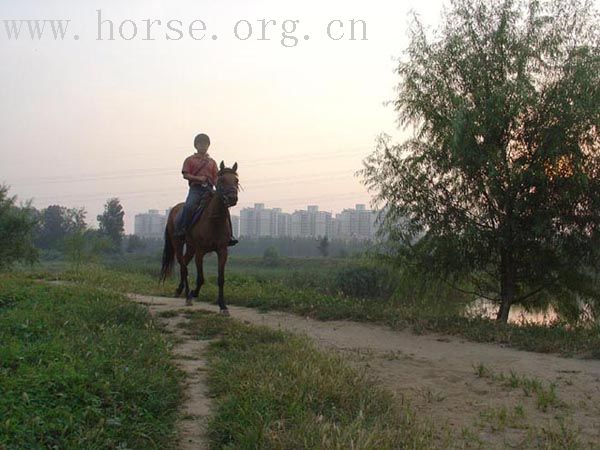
499	184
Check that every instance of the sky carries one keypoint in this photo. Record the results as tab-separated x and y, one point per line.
84	120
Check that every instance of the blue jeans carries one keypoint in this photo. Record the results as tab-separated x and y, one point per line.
197	196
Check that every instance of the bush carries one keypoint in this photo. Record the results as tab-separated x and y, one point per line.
365	280
16	232
271	257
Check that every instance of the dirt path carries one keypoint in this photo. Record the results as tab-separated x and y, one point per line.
456	383
188	357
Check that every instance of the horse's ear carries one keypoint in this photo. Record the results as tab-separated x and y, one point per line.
222	166
234	168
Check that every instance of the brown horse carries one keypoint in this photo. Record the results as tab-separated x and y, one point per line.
211	233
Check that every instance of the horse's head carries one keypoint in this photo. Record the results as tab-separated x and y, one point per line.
228	184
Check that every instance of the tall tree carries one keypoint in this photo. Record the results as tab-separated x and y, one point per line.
111	222
16	231
57	222
501	179
324	247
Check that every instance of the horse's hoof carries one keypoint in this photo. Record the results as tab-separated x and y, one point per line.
188	302
225	312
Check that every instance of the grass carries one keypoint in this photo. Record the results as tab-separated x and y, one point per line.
546	395
557	433
294	288
402	313
498	419
82	368
273	390
561	435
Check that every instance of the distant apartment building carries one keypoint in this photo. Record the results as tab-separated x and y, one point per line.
252	223
150	225
281	223
258	221
235	225
358	223
300	225
312	223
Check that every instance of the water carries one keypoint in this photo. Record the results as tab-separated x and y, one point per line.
518	315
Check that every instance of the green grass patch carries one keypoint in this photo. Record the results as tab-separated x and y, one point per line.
423	309
82	368
99	276
402	313
273	390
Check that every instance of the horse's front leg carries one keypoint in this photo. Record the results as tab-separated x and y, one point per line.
189	254
178	246
222	254
199	276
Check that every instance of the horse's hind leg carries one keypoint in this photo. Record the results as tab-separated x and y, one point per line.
222	254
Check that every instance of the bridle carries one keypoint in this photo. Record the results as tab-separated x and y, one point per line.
227	194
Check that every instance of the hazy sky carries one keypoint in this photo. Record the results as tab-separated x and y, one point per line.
84	120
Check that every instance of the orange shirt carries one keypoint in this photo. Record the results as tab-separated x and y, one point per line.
203	166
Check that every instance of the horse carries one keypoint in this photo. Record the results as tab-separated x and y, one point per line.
210	233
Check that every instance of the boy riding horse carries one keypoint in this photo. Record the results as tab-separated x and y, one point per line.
200	170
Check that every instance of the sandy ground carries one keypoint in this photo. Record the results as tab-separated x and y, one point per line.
437	376
188	354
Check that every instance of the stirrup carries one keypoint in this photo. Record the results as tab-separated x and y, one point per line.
232	242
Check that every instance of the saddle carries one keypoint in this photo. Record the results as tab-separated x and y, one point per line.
198	212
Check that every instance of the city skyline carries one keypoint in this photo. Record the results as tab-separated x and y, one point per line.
258	221
87	120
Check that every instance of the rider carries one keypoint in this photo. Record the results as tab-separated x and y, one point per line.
200	170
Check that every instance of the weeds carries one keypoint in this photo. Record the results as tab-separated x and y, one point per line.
275	390
560	435
82	368
545	396
305	287
482	371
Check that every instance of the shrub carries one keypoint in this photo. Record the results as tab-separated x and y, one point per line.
271	257
371	280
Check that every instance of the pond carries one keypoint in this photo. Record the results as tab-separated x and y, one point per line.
518	315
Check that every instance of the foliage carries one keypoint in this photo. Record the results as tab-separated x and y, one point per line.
111	222
57	222
16	227
271	257
82	368
85	247
276	390
365	280
324	247
297	247
135	244
501	179
419	303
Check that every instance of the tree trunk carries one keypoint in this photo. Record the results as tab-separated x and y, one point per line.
508	285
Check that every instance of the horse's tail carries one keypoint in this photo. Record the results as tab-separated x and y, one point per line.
168	257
